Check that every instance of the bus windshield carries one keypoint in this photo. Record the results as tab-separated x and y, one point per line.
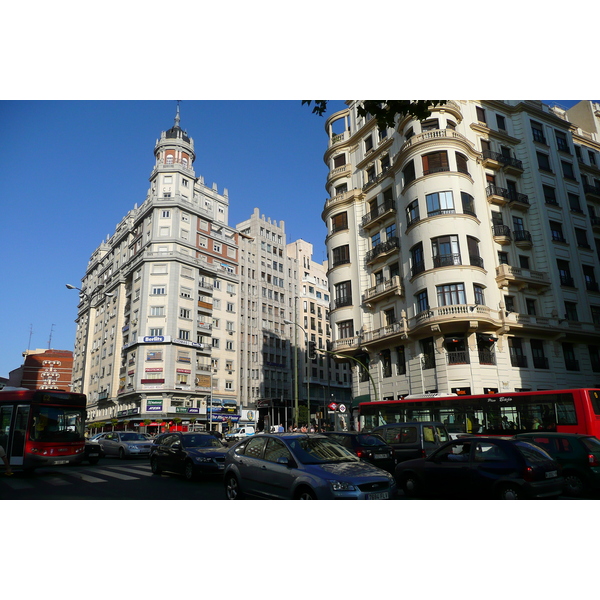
57	424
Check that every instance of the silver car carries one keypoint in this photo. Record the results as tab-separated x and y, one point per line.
125	444
304	467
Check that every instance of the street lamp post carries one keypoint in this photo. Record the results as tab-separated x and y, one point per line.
296	407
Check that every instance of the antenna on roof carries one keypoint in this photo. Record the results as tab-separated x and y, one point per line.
50	338
177	117
30	334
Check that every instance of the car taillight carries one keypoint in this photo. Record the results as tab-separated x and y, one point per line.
593	461
423	454
528	474
360	453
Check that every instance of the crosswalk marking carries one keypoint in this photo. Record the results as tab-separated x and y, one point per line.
88	478
17	484
113	474
55	481
135	471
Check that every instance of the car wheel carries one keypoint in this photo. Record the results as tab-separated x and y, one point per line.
154	466
188	470
121	454
411	486
510	492
574	485
232	488
305	494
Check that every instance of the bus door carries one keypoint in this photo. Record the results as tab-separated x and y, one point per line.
17	448
5	429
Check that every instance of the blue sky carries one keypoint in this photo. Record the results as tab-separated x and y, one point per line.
72	169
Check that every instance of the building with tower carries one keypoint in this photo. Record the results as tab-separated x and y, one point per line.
157	338
464	249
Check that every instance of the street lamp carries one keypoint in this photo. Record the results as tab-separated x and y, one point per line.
84	295
296	408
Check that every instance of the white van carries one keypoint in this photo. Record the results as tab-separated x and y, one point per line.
240	432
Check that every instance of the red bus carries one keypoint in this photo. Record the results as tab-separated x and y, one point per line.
41	428
569	411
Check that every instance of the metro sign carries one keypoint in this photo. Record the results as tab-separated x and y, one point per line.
332	406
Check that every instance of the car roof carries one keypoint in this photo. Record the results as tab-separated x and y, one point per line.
552	434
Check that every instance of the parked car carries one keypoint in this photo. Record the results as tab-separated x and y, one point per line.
96	437
190	454
304	467
124	444
240	432
413	439
577	454
368	446
92	451
481	467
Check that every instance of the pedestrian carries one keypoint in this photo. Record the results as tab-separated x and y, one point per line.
5	461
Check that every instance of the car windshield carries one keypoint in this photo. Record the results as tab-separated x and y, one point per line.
370	440
201	441
133	437
315	451
56	424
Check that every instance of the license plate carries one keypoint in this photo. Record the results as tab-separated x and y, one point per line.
60	462
380	456
550	474
93	454
378	496
221	466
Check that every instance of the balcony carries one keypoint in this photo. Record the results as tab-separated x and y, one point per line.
540	362
343	171
453	315
518	360
591	286
476	261
567	281
522	238
595	223
491	160
417	268
392	329
501	234
382	249
376	179
383	289
522	278
571	364
446	260
592	192
341	302
487	357
379	213
458	358
512	166
502	197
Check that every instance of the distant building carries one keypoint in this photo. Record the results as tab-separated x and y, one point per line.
44	370
464	250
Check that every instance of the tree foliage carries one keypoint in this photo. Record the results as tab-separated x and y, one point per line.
385	111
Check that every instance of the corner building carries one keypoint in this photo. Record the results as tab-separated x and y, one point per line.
157	327
464	249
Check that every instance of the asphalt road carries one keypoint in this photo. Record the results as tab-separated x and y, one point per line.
110	479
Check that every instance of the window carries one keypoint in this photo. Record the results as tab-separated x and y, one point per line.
185	292
451	294
165	214
564	273
537	131
430	125
574	203
368	144
503	258
409	173
343	294
155	331
440	203
595	314
446	251
567	169
501	122
435	162
480	114
479	295
184	334
422	301
557	232
549	194
339	161
345	329
184	313
561	142
339	222
537	351
592	158
390	232
530	303
341	255
509	303
462	163
517	358
544	162
375	239
158	290
571	363
417	260
581	236
157	311
468	204
412	213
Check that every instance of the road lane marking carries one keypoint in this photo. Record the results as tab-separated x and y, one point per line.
115	475
134	471
88	478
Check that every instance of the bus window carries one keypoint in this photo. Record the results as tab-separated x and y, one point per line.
54	424
5	415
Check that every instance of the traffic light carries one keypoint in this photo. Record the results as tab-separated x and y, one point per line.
312	350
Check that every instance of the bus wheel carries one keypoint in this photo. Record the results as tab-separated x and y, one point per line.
574	485
510	492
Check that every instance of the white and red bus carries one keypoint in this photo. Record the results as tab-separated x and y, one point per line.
41	428
569	411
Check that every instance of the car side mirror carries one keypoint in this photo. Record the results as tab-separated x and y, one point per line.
176	445
284	460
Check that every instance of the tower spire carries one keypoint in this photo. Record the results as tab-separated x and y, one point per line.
177	117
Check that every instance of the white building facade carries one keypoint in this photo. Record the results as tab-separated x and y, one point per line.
464	249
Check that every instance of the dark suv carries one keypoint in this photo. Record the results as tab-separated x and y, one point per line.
368	446
413	439
577	454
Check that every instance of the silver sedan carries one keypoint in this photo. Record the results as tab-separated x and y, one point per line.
125	444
